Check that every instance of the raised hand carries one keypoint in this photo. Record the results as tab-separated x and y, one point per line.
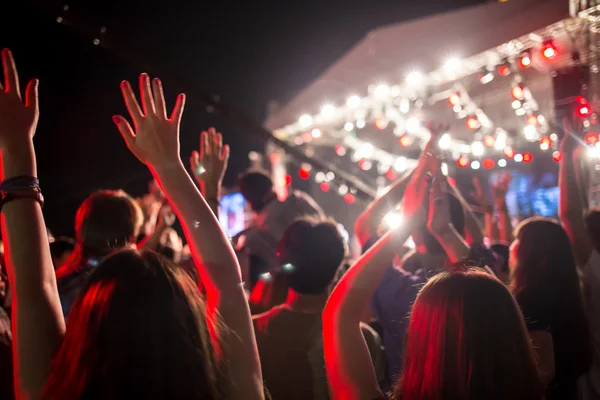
479	194
155	141
439	220
210	164
17	120
569	143
500	188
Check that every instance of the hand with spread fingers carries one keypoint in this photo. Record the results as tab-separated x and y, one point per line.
209	166
155	140
18	120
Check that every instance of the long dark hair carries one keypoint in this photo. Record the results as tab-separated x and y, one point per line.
467	339
138	330
544	277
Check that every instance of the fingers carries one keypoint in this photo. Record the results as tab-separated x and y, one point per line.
194	160
225	156
204	144
131	102
31	94
11	78
178	109
146	95
125	130
159	98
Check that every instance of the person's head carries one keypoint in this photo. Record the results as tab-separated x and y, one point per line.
425	242
256	186
310	252
467	339
592	223
137	330
107	220
61	249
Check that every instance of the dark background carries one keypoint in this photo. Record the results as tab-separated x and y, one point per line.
247	52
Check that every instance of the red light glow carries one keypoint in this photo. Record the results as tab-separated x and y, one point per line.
405	141
584	110
556	156
288	180
532	120
340	150
488	163
503	70
546	141
304	173
525	61
549	50
591	138
325	186
472	123
349	197
381	124
454	99
527	157
391	174
463	162
489	141
509	152
518	92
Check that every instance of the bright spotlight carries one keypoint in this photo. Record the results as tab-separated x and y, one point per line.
305	121
381	91
477	149
353	101
328	110
392	220
452	65
414	78
413	125
445	141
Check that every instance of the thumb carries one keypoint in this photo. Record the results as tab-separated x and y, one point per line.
194	159
31	94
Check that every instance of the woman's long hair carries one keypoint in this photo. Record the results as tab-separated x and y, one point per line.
138	330
466	339
544	278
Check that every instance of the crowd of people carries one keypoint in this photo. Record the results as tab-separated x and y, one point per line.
477	310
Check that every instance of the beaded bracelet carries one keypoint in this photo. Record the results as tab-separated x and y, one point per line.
20	187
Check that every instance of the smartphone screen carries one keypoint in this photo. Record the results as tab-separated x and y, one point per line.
232	213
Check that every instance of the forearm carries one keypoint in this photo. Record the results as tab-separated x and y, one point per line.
506	228
492	230
211	195
472	227
37	316
153	241
454	245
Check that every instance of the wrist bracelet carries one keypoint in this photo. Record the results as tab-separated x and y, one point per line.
21	194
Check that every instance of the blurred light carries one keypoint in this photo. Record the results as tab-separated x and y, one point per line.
527	157
525	60
489	140
462	161
554	137
328	110
452	65
349	198
502	163
591	138
584	110
500	141
320	177
594	152
413	125
549	49
509	152
360	123
532	120
392	220
343	189
445	141
488	163
414	78
288	180
477	149
404	106
366	150
457	108
520	112
518	157
365	165
400	164
541	119
381	124
545	143
454	99
486	77
556	156
405	140
472	123
316	133
306	136
530	132
475	164
304	173
324	186
518	92
330	176
287	267
504	70
305	121
391	174
353	101
266	276
348	126
340	150
444	168
381	91
516	104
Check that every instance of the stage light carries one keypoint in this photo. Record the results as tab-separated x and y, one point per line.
444	168
288	180
532	120
320	177
518	92
360	123
328	110
509	152
549	49
500	140
462	161
527	157
502	163
489	140
366	150
324	186
485	77
381	124
454	99
516	104
488	163
404	106
353	101
525	59
349	197
348	126
556	156
305	121
545	143
414	78
445	141
413	125
405	140
554	137
392	220
304	173
584	110
340	150
503	70
381	91
591	138
452	65
343	189
365	165
530	132
477	149
473	123
475	164
316	133
518	157
391	174
400	164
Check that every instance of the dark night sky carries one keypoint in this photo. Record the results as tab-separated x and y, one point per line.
247	52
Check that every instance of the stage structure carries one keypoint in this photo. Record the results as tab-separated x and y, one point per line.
487	71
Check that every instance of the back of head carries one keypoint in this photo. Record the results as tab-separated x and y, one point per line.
106	221
466	339
457	216
255	186
137	330
60	249
311	251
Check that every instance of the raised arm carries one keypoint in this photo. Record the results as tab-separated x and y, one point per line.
571	206
473	230
491	224
208	166
155	142
499	190
38	323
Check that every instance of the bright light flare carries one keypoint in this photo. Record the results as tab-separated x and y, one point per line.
393	219
305	120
